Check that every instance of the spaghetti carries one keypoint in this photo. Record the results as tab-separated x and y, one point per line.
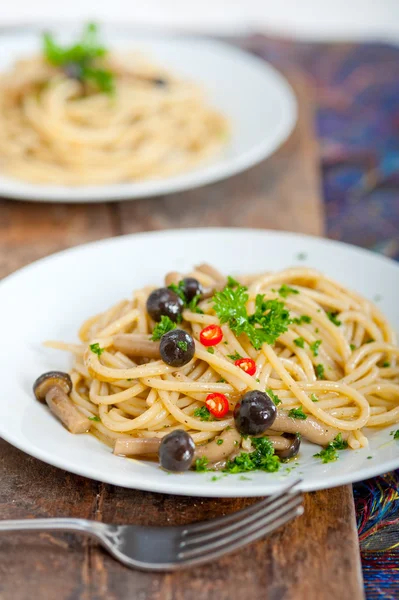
333	371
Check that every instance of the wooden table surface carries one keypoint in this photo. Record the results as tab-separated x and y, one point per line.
315	558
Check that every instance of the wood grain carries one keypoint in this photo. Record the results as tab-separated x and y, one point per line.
315	558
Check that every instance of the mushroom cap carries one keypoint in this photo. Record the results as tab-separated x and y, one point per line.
293	448
49	380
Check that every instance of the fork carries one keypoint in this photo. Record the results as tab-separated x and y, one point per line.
172	548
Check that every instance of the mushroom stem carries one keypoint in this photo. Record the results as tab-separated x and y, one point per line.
212	272
173	278
135	345
137	446
311	428
60	404
217	454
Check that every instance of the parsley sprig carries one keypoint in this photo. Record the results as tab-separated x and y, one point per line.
81	58
165	324
96	349
329	453
262	458
203	413
297	413
265	325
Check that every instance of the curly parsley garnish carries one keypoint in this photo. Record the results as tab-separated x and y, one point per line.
332	315
286	290
329	453
81	58
273	396
262	458
165	324
96	349
297	413
265	325
203	413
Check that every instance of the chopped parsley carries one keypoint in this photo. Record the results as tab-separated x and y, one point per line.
203	413
368	458
243	478
302	319
262	458
300	342
332	315
301	256
234	356
210	350
297	413
329	453
192	305
231	282
221	380
314	398
95	418
315	347
201	464
386	365
319	371
370	341
182	345
352	347
219	442
396	435
273	396
97	349
165	324
178	289
285	291
81	58
265	325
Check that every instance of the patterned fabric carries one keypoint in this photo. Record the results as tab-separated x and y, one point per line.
357	121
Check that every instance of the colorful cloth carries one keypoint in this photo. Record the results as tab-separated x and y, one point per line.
357	121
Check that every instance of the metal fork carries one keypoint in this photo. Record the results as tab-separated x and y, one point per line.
172	548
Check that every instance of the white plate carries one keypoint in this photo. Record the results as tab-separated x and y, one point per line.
50	298
255	98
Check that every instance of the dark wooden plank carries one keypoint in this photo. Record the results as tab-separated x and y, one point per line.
317	557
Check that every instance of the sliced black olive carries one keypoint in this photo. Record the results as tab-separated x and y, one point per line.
255	413
177	348
176	451
191	288
73	70
293	449
164	302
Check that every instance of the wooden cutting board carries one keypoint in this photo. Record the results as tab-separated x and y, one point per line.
314	558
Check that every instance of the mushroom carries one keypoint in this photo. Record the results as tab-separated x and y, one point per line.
173	277
218	453
54	388
286	445
136	446
311	428
136	345
212	272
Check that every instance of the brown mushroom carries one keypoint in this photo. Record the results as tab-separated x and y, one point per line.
286	445
54	388
136	446
173	277
311	428
133	344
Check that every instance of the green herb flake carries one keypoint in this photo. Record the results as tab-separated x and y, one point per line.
396	435
201	464
302	319
192	305
231	282
262	458
265	325
320	371
243	478
165	324
329	453
301	256
285	291
300	342
219	442
332	315
273	396
297	413
210	350
202	413
386	365
95	418
352	347
234	356
314	398
182	345
370	341
221	380
96	349
83	55
369	457
314	346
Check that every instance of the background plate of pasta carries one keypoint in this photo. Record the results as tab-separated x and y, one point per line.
222	363
90	115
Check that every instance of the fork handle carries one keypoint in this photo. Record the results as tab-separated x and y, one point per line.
78	525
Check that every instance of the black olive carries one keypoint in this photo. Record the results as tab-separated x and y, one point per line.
191	287
177	348
164	302
255	413
176	451
294	447
73	70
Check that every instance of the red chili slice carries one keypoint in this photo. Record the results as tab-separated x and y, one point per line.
217	404
211	335
247	365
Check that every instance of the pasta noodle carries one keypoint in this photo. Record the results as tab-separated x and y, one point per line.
337	362
56	131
